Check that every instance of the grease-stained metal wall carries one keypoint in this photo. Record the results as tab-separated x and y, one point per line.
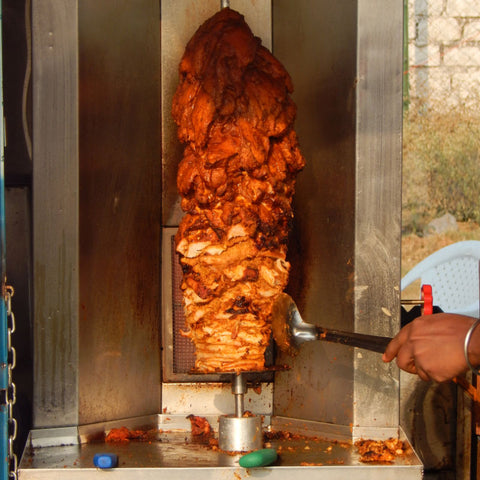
55	212
97	203
345	59
120	205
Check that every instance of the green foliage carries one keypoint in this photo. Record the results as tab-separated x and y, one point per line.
441	167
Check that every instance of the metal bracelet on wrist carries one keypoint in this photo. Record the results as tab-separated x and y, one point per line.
468	336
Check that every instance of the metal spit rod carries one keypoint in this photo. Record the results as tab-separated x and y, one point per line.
224	3
239	388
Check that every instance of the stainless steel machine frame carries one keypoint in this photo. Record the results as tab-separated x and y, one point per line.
105	158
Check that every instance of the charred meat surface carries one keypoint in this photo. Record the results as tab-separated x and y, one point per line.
236	179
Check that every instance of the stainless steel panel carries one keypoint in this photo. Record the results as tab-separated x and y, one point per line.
55	211
378	203
180	20
214	398
223	473
345	60
120	205
97	204
316	41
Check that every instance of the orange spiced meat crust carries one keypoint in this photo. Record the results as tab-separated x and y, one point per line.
236	179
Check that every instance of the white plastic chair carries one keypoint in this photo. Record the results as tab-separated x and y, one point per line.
453	273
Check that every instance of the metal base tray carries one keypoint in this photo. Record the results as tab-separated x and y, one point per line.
173	454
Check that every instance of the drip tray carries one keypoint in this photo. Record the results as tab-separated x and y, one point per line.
169	451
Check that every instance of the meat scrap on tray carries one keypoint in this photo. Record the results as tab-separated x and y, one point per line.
380	451
236	179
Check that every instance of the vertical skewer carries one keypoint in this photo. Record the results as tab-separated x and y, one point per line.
239	388
239	405
224	3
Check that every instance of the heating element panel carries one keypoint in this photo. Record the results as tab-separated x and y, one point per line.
183	349
178	351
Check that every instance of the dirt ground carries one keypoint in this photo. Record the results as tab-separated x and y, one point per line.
415	249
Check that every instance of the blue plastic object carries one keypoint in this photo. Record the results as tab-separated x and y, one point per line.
105	460
258	458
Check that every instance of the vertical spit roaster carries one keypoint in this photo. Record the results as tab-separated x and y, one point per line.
108	310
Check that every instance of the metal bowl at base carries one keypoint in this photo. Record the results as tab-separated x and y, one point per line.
240	434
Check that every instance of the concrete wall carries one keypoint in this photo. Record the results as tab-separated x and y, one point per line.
444	53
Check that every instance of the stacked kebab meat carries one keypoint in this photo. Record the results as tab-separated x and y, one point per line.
236	179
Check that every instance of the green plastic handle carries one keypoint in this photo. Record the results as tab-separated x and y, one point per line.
258	458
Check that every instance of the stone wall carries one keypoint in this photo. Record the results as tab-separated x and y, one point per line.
444	53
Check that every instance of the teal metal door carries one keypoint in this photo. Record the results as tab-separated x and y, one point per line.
4	457
7	353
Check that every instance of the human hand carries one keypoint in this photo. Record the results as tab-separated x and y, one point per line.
432	346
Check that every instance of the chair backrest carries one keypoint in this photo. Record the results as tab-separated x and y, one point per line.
453	273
